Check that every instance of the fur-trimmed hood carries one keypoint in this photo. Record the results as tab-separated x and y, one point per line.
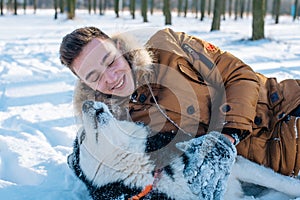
140	60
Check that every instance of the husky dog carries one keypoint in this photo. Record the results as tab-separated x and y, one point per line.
114	160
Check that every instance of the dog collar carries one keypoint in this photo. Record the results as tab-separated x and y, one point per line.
148	188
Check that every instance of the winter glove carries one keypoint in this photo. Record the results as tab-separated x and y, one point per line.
210	159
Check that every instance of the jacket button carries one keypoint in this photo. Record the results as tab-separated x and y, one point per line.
274	97
134	95
142	98
190	110
226	108
257	120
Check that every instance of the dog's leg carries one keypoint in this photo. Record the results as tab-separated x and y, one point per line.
250	172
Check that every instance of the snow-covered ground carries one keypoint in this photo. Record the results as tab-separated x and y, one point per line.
37	126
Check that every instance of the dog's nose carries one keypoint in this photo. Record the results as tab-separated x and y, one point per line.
87	105
99	111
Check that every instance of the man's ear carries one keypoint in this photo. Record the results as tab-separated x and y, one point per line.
117	43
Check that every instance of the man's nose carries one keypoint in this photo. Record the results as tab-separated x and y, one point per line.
111	75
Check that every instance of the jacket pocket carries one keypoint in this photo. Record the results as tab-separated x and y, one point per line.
284	146
190	72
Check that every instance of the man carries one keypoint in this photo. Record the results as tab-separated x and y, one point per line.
186	86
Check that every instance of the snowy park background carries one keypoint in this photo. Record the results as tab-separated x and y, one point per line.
37	125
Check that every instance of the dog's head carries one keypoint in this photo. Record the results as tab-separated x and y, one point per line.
102	128
104	142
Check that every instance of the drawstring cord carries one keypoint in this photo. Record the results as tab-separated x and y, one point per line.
162	112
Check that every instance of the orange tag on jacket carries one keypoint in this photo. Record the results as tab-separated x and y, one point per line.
210	47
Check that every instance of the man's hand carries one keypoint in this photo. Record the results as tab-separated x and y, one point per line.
211	158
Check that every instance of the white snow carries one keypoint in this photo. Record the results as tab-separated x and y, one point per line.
37	124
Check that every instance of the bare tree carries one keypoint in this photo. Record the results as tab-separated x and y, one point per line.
15	7
151	7
116	6
242	8
167	12
248	7
55	8
217	16
24	6
277	10
202	9
102	6
71	8
1	7
236	8
258	22
209	7
95	6
195	6
223	11
132	8
186	6
144	10
295	14
90	6
266	7
34	6
62	6
230	8
179	7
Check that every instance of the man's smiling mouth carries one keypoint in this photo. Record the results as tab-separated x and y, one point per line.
119	85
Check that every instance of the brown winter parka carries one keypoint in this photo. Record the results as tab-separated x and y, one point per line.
186	83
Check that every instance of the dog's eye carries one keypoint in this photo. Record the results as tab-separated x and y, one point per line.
99	111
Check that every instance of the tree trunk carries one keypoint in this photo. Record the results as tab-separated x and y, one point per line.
179	7
202	9
248	7
242	8
15	7
144	10
266	7
55	8
89	6
186	5
95	6
195	5
277	11
34	6
167	12
24	6
258	7
295	14
223	6
71	8
236	8
230	8
116	6
101	7
62	6
151	6
1	7
132	8
209	8
217	16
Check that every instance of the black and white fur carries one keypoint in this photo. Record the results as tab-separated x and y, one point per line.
113	158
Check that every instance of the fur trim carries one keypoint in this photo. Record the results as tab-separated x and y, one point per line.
140	60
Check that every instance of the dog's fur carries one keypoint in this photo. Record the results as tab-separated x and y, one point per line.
117	159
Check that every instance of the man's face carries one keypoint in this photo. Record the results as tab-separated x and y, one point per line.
101	66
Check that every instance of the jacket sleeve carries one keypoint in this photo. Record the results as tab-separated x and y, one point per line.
228	75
